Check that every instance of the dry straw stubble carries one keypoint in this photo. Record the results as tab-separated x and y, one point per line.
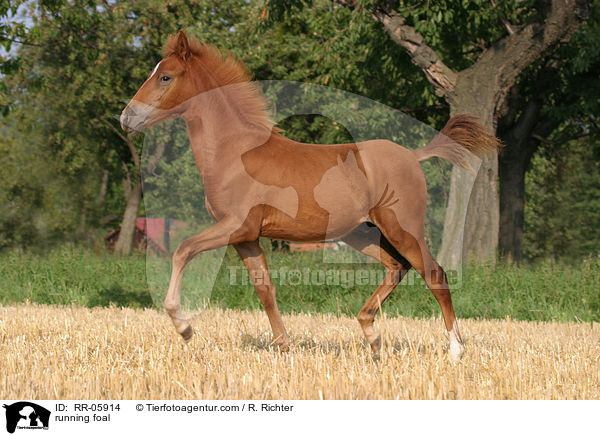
50	352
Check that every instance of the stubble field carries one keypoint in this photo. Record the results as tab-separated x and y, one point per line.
53	352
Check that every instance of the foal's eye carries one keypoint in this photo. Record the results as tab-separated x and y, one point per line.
165	79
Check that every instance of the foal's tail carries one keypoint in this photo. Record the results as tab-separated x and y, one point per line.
461	134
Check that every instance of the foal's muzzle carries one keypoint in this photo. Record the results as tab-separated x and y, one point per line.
132	118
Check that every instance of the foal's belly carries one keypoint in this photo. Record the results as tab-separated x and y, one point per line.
329	205
306	227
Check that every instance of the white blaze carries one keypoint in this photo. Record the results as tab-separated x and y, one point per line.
154	71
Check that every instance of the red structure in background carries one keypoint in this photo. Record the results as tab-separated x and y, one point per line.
150	233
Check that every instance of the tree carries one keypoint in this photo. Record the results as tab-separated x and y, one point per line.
530	32
554	101
563	209
34	210
472	52
78	62
70	51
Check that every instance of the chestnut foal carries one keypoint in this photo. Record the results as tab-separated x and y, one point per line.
257	182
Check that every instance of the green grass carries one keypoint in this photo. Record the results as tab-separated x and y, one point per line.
75	275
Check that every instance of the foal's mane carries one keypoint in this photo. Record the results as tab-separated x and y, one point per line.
229	71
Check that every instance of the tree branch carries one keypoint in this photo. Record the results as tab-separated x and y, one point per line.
499	65
528	119
519	146
562	140
103	188
512	54
423	56
16	41
130	145
155	157
127	180
507	25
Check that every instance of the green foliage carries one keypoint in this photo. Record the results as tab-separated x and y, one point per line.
83	58
329	44
459	31
38	206
174	188
65	89
566	82
10	30
20	196
562	214
572	85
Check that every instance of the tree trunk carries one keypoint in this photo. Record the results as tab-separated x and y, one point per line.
471	223
461	185
512	206
134	195
482	218
127	233
103	187
520	145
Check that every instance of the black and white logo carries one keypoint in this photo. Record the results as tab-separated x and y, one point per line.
26	415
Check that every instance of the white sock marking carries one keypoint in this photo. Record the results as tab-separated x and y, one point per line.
456	346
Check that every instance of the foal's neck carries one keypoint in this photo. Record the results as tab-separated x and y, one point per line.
220	130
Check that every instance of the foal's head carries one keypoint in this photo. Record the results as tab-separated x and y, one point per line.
166	88
188	69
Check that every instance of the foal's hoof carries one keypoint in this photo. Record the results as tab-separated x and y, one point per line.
376	345
187	333
283	348
456	351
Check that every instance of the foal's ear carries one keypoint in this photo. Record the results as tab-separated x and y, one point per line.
182	47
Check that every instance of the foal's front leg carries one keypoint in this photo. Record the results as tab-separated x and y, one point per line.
227	231
255	263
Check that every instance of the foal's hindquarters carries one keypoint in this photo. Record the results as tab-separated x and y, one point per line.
395	235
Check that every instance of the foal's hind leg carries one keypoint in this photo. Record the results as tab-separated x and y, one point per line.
369	240
255	263
414	249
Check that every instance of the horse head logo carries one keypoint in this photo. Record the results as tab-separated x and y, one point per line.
26	415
